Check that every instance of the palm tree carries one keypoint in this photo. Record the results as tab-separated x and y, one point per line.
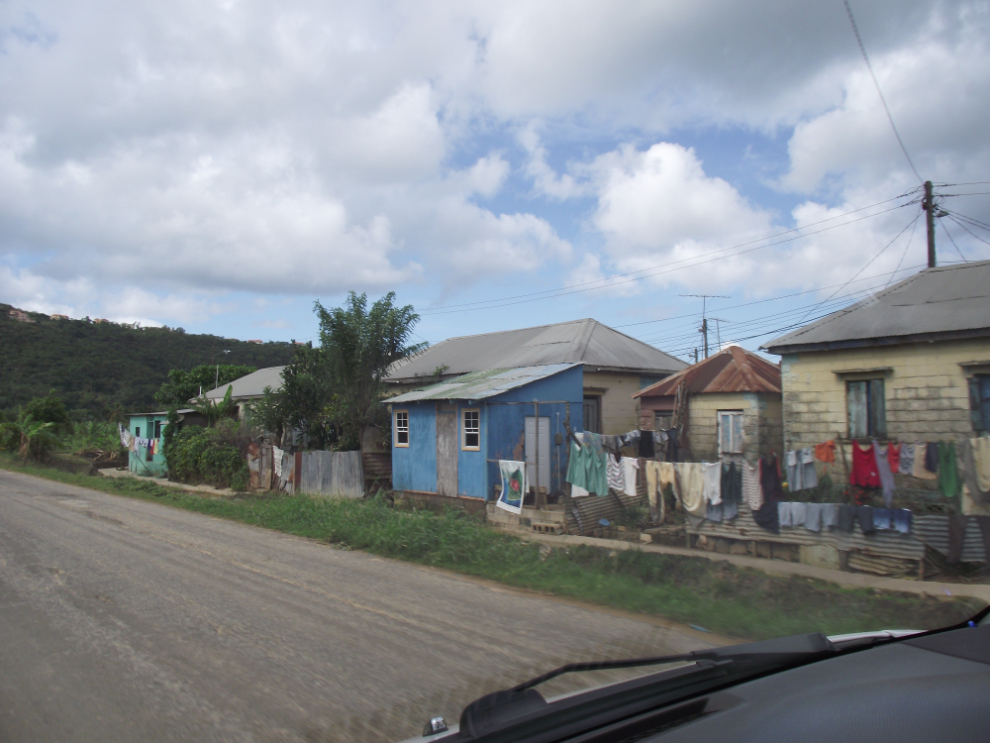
28	436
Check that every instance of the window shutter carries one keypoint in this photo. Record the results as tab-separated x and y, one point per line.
975	408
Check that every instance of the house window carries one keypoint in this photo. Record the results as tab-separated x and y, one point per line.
137	432
979	401
663	421
730	432
158	429
470	430
867	409
402	428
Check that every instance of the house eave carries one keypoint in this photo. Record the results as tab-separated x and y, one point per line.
893	340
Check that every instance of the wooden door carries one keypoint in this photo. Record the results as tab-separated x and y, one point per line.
447	449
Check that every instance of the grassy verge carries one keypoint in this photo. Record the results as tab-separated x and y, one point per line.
738	602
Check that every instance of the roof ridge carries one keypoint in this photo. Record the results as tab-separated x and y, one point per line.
514	330
637	340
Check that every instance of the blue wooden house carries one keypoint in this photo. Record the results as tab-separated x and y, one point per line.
447	439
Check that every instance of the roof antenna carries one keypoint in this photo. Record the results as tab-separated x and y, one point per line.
704	320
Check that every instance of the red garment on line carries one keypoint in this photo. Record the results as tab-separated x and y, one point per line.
864	467
894	456
825	452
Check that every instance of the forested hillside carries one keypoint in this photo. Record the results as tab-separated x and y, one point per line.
91	365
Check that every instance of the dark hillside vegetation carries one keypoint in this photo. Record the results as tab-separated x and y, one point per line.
92	366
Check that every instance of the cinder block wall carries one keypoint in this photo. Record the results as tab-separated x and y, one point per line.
620	411
927	397
762	424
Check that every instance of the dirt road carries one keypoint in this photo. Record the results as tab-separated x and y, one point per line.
124	620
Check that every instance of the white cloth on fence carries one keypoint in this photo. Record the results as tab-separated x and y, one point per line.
630	466
752	491
615	473
277	461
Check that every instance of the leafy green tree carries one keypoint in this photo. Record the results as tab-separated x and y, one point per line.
51	409
183	386
358	344
28	436
115	413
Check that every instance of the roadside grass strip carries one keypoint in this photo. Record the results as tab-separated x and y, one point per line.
737	602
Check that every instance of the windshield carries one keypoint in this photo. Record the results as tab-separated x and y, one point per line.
358	361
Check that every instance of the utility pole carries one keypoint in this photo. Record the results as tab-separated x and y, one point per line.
704	320
929	206
696	355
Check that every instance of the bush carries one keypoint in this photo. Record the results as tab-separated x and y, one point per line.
209	455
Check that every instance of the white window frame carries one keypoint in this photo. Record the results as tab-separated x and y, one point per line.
397	429
465	430
736	447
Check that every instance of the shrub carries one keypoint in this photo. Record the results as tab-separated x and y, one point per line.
210	455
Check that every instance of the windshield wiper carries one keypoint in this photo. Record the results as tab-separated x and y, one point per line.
522	713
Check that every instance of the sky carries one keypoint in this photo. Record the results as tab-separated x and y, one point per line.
220	166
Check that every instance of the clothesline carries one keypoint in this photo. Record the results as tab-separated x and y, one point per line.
131	442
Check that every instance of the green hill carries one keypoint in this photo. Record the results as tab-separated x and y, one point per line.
93	364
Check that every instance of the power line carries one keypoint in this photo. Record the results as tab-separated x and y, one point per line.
967	229
974	222
916	218
876	82
668	269
904	254
952	240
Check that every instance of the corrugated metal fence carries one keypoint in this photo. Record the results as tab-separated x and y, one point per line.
336	473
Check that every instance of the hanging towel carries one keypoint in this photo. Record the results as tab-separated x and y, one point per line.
931	457
883	469
825	452
906	465
596	467
615	474
646	444
900	519
864	467
799	513
893	456
919	471
731	491
784	514
813	519
713	482
968	472
714	513
673	446
632	437
830	515
668	476
981	460
654	491
692	488
752	492
864	514
576	468
630	466
881	518
948	473
847	517
793	466
809	478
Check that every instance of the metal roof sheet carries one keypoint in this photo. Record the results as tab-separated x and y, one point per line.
951	299
585	342
733	369
483	384
250	385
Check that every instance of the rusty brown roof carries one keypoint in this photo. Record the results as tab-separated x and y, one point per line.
732	370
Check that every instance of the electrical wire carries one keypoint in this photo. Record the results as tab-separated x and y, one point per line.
876	82
916	218
669	268
903	255
946	231
970	220
967	229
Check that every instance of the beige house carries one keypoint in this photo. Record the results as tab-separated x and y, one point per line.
615	365
732	402
911	363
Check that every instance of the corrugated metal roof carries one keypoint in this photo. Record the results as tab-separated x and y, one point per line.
585	342
731	370
936	301
251	385
483	384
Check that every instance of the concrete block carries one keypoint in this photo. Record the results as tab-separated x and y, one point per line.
820	556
